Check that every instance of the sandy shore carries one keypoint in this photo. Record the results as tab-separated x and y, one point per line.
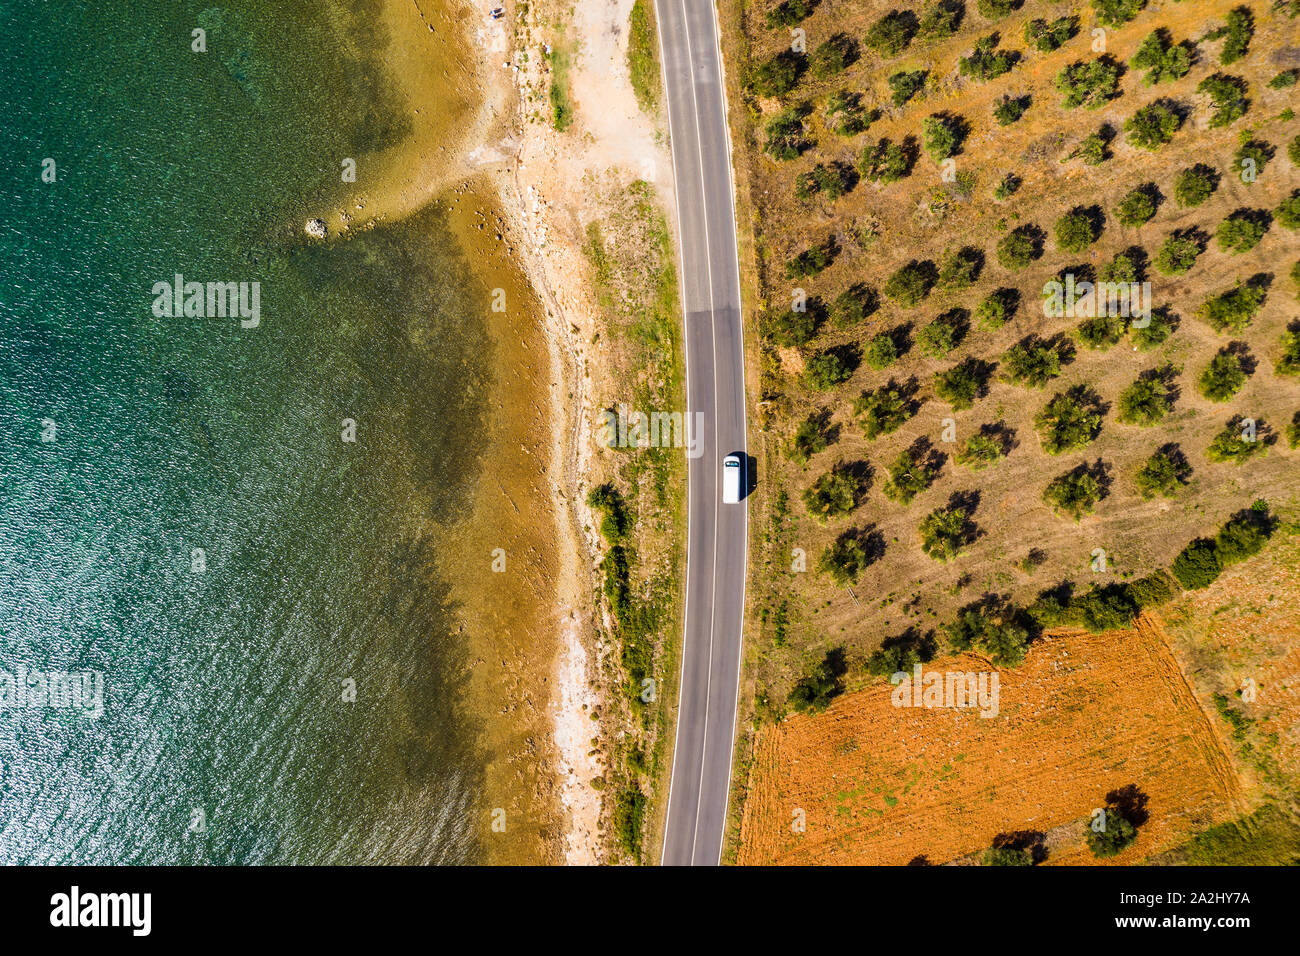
548	191
520	194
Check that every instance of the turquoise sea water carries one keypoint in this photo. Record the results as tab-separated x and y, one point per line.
225	737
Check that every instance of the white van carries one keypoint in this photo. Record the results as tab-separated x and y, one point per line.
731	472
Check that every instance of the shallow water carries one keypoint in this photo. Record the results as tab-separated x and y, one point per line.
196	529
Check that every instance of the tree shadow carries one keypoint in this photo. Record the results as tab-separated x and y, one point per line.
822	419
1130	802
1241	351
966	501
1003	434
926	455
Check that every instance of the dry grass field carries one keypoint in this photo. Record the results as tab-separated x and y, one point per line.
1019	545
1242	632
922	217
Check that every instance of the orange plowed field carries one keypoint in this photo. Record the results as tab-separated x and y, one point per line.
1084	715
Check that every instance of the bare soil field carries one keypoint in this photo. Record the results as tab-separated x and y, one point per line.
1083	716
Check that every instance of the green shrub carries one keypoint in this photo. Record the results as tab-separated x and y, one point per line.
906	84
1155	589
1019	247
1163	473
1252	155
777	75
1076	230
812	260
1138	205
1075	493
1235	33
1241	231
1124	268
562	112
1148	400
853	305
789	12
912	282
945	532
1197	565
942	19
1100	332
1233	445
785	135
825	370
1117	833
883	409
830	182
941	336
789	328
1108	607
809	438
1088	84
911	473
986	61
1046	37
961	268
1288	211
1288	362
845	114
643	56
885	162
1033	362
1243	535
942	136
997	9
1232	310
1164	60
1228	98
1093	149
990	627
901	653
1116	13
1007	109
1179	252
997	308
881	351
629	820
1070	421
815	691
1155	332
960	385
1223	377
846	558
834	56
614	522
1153	125
835	493
890	35
1195	185
986	447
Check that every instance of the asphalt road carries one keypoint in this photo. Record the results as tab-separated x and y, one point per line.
715	385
